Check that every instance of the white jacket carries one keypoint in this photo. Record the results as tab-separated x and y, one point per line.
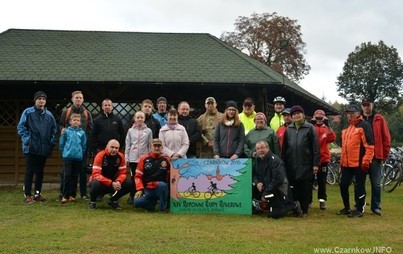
175	140
138	141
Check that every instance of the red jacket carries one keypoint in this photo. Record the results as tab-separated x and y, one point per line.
381	137
107	168
280	133
325	136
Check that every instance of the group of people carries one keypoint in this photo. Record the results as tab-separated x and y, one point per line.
288	153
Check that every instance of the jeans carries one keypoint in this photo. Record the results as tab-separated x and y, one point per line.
35	166
375	177
150	197
347	175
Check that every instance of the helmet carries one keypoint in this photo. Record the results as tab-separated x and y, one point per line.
279	99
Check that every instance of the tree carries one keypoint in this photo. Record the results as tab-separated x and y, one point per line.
272	40
373	71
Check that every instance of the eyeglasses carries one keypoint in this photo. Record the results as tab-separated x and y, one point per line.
319	118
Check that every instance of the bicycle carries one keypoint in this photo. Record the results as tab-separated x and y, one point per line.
191	192
211	193
393	179
333	170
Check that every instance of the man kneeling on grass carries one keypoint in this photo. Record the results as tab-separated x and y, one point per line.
152	176
270	184
109	176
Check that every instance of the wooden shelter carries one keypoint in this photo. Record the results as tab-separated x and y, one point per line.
126	67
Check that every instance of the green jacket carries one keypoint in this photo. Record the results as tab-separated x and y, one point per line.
255	135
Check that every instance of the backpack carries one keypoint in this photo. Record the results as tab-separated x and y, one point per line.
68	113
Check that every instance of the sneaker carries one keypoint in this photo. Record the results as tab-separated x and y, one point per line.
85	197
322	205
114	204
72	199
64	200
92	205
29	200
344	211
297	209
39	198
354	214
377	211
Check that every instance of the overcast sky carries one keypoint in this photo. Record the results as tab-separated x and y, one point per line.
331	29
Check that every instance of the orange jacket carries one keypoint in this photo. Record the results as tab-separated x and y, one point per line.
107	168
357	144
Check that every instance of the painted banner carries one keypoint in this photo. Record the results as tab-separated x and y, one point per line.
211	186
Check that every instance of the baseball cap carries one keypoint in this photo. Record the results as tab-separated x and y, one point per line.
366	101
248	102
352	108
210	99
286	111
156	141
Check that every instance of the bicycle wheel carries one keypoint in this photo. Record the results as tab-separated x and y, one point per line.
218	193
331	176
186	194
385	170
196	194
207	195
394	176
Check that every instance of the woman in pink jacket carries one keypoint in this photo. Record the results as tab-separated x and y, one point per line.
174	137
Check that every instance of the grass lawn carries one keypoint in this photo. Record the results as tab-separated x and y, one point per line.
73	228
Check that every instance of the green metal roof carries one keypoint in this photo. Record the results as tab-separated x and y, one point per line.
139	57
50	55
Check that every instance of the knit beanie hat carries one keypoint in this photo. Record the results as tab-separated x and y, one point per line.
261	115
39	94
296	108
231	104
162	99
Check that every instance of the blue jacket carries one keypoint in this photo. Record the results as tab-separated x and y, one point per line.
72	143
162	119
37	129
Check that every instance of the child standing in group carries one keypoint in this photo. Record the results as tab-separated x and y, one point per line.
138	141
72	145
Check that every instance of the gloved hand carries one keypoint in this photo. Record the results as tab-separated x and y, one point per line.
365	167
138	194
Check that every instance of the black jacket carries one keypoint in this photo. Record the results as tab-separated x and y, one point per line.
106	127
193	131
270	171
153	124
300	151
